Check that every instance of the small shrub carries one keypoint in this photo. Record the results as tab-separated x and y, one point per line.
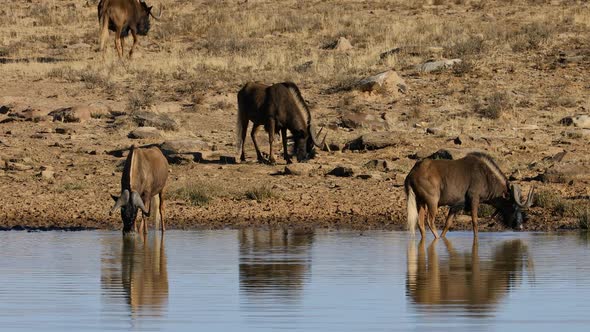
141	99
194	195
495	106
462	68
530	37
259	193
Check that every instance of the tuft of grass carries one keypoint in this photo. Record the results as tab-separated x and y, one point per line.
193	195
260	193
494	107
485	211
530	37
141	99
583	217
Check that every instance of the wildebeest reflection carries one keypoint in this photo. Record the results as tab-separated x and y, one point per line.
139	268
274	261
463	280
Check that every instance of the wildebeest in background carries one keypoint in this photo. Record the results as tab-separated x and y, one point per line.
122	16
279	107
144	176
461	184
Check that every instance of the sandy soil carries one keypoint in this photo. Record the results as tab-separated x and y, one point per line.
192	80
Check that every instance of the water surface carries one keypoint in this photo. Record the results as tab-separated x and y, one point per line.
253	280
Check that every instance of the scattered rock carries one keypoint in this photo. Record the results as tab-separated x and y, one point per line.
389	53
333	146
166	107
144	132
47	174
374	141
457	140
342	171
64	131
433	131
342	45
436	65
580	121
561	173
229	160
298	169
33	114
187	145
184	150
160	121
387	82
354	120
378	165
13	166
5	109
72	114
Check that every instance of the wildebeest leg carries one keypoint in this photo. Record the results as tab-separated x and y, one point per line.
449	220
253	136
271	137
285	152
244	121
162	225
148	206
421	215
104	34
432	209
118	45
134	34
474	207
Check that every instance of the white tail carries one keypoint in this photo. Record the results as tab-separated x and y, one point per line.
412	210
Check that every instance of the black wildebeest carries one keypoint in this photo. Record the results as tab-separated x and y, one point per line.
122	16
279	107
144	176
461	184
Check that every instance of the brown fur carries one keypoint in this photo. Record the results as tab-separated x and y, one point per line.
146	172
463	183
279	107
122	17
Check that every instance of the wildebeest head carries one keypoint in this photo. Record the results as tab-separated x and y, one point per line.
512	208
143	24
128	203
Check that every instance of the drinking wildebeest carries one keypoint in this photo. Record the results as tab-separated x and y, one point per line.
279	107
122	16
144	176
461	184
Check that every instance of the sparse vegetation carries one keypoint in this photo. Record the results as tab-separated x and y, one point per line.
196	193
494	106
260	193
584	218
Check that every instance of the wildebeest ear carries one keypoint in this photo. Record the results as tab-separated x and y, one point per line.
115	198
150	8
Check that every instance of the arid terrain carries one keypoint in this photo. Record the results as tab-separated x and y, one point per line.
520	91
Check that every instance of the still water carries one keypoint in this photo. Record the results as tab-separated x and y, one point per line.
254	280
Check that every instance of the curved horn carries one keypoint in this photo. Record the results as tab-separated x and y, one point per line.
121	201
157	18
314	136
516	196
138	202
529	198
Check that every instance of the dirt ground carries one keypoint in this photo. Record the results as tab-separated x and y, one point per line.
524	69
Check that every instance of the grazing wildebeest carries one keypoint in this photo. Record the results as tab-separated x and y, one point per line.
144	176
279	107
461	184
122	16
